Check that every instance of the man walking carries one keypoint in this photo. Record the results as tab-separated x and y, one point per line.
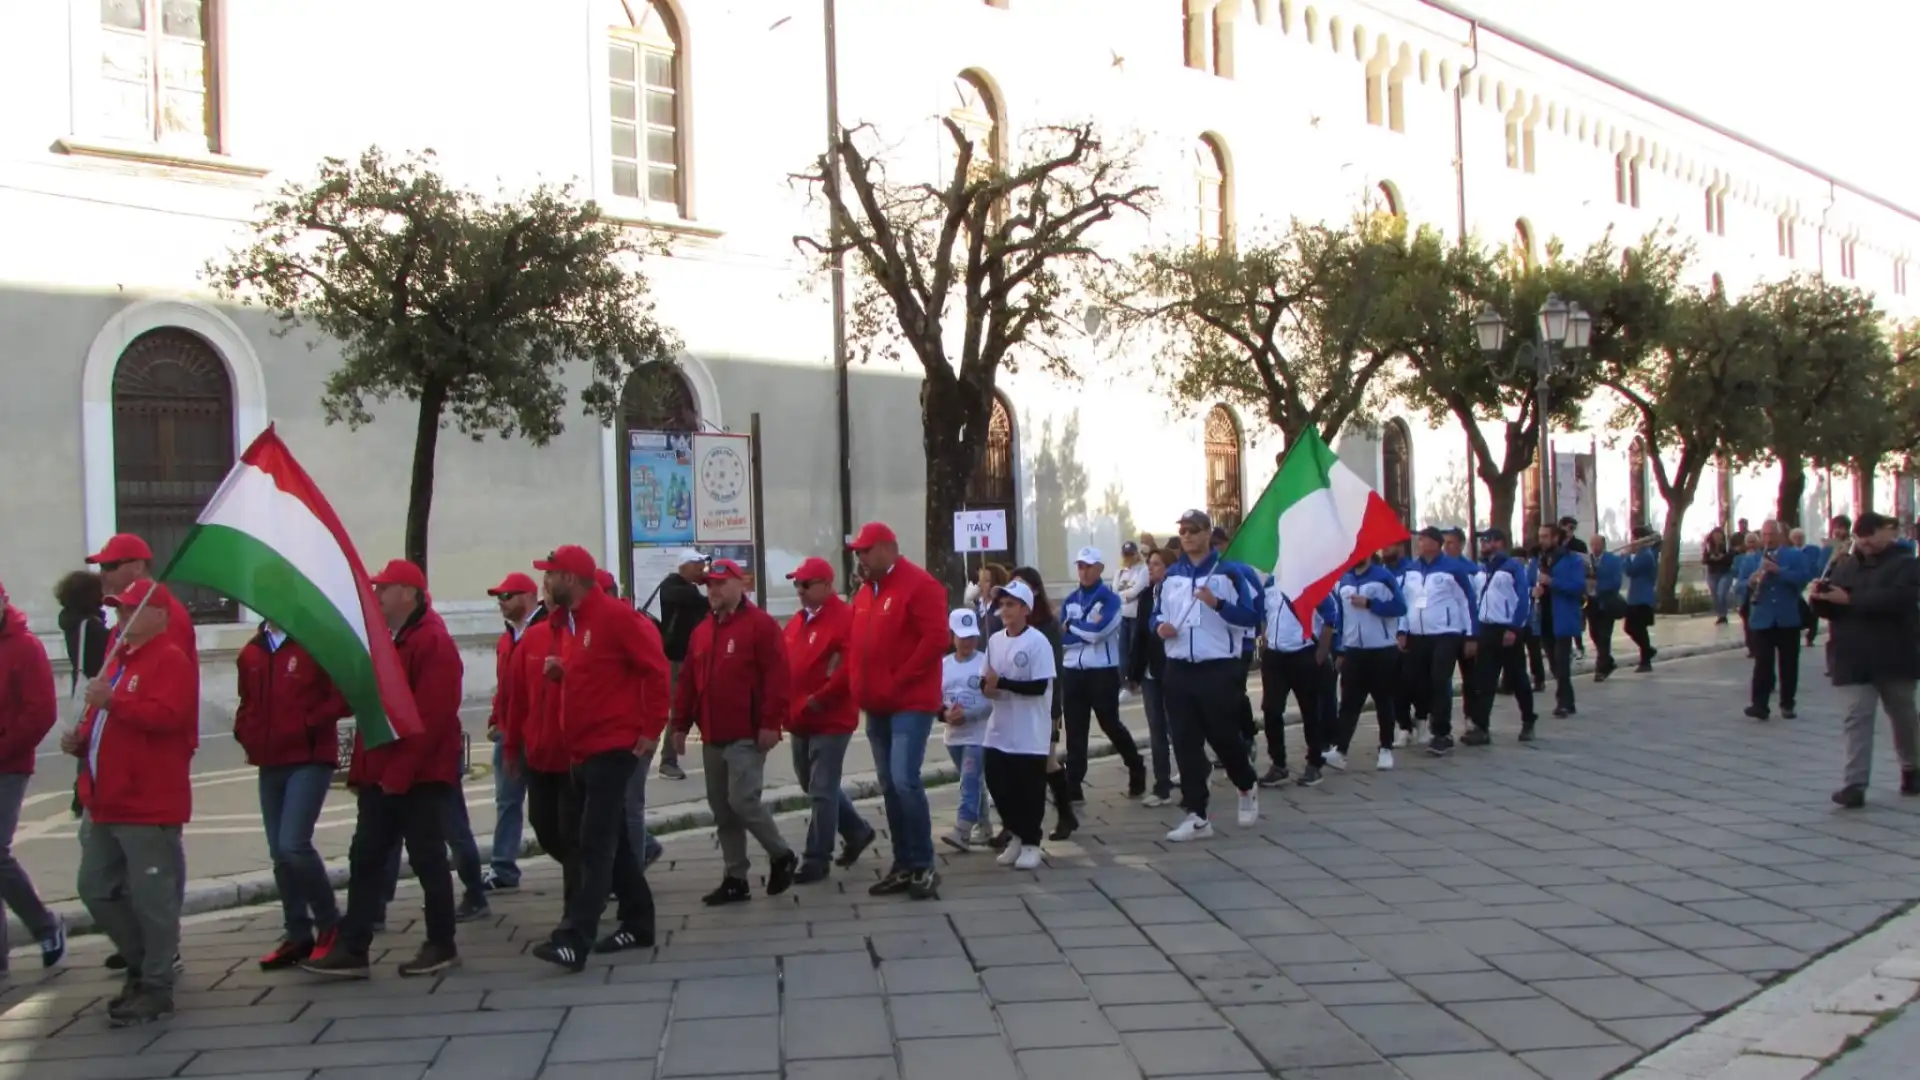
1642	571
899	641
125	559
520	607
1505	609
1872	601
735	688
1090	680
1559	592
1605	607
822	719
1291	664
1370	662
532	738
1774	577
1247	581
28	710
682	607
1439	625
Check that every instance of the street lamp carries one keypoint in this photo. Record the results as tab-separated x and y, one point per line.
1565	331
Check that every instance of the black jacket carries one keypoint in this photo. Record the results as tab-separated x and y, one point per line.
1147	654
86	636
682	607
1877	634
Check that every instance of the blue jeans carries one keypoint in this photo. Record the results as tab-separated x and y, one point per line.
817	763
1720	586
899	743
290	800
645	847
1159	740
968	759
509	821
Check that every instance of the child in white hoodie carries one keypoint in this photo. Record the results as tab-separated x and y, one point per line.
964	708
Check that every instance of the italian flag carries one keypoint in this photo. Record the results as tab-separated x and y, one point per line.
1314	522
269	540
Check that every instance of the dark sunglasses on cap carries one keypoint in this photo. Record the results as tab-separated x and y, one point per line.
1190	530
110	567
807	584
506	596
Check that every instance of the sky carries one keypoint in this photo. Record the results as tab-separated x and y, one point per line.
1829	82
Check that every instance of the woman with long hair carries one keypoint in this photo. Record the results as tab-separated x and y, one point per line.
83	624
1717	557
1147	663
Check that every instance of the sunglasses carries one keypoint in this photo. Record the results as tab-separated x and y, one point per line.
506	596
807	584
1191	530
110	567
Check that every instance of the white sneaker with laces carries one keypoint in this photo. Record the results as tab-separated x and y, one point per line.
1151	800
1385	762
1249	808
1029	859
1334	759
1010	855
1194	827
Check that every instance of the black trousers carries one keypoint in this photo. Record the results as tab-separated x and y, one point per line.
1018	785
1499	660
1639	625
1430	671
1297	673
605	862
1368	673
1243	710
1600	632
1204	700
1536	659
1807	621
1409	707
1560	660
553	810
416	817
1086	694
1776	647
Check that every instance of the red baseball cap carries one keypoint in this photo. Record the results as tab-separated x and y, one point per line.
873	532
813	569
401	572
122	547
513	583
722	569
569	559
604	578
131	596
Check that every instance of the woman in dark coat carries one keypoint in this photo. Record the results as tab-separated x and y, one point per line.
83	623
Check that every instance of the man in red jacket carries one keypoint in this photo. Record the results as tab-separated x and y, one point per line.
520	607
822	717
136	748
612	679
531	735
405	788
28	711
288	722
899	638
733	684
125	559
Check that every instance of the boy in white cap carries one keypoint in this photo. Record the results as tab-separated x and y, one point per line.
1019	681
964	709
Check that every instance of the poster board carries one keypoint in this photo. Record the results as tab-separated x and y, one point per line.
979	530
1574	493
687	490
660	489
722	472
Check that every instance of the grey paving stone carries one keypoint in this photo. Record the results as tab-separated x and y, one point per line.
1533	1024
1040	982
1745	912
1703	935
1141	989
625	1032
1708	993
1013	949
346	1055
1408	1029
668	970
110	1068
1599	939
1049	1024
1362	993
973	924
1812	936
1419	954
916	945
838	1028
1588	1063
956	1059
928	976
1360	904
936	1016
385	1072
1481	1066
629	1070
1491	937
1645	965
830	975
1209	937
447	1024
1528	967
1376	1070
1755	958
1611	999
1447	989
1273	990
1123	961
1543	916
1242	964
1099	937
347	1008
1189	1053
1346	971
491	1057
1307	949
1147	910
1298	1036
836	1069
1166	1016
244	1034
703	999
1078	1063
1271	922
716	1047
1652	1031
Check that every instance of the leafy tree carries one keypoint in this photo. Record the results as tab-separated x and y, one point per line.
970	276
471	307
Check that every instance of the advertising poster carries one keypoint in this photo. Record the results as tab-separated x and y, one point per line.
723	489
1573	489
660	477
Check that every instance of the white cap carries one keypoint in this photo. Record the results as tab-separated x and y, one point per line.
1090	556
688	555
1016	589
964	623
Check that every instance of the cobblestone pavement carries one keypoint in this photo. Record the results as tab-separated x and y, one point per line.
1545	910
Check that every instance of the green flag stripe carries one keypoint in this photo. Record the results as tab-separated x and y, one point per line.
1303	472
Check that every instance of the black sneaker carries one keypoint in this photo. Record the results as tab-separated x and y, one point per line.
810	873
1851	797
1600	674
1758	712
430	960
1910	782
1526	731
893	884
563	955
1064	825
116	962
1787	713
732	890
1310	777
780	873
1136	780
924	884
1561	712
145	1006
338	963
623	939
1275	776
1476	737
1440	745
672	770
472	906
850	850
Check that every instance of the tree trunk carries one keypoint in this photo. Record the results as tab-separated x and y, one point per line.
1503	492
1678	501
1863	476
426	442
943	417
1793	489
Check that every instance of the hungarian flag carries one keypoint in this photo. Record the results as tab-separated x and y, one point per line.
269	540
1312	524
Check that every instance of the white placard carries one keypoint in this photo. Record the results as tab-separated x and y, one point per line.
980	530
722	488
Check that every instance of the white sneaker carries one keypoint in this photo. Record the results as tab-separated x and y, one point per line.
1009	856
1029	859
982	833
960	839
1334	759
1151	800
1126	695
1194	827
1385	762
1249	808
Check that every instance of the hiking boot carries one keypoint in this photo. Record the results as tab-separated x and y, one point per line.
563	954
1064	824
472	906
1526	731
1136	780
145	1006
432	959
1476	737
850	850
924	884
780	873
1440	745
623	939
732	890
1275	776
338	964
1851	797
1311	777
127	990
285	955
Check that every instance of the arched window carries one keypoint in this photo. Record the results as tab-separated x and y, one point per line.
1389	198
658	398
159	71
1396	469
172	445
1637	486
977	110
1225	491
646	72
992	485
1397	99
1522	245
1213	192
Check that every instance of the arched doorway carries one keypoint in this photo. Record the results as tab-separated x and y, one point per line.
1396	470
657	397
992	485
1637	514
172	446
1226	499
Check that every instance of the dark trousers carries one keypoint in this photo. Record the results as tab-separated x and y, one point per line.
1243	708
1810	624
553	809
1639	625
1497	661
1018	785
605	862
1560	659
1368	673
1087	694
1536	659
1776	646
1600	632
1203	705
417	817
1297	673
1430	674
1329	705
463	852
1409	708
1159	737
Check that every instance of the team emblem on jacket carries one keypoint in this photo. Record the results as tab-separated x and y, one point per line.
293	662
133	685
812	635
730	645
586	640
1021	660
887	604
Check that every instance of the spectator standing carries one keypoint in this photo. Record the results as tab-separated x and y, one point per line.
1717	557
964	710
1774	576
682	607
823	718
520	608
29	709
980	595
1130	582
1872	603
1148	661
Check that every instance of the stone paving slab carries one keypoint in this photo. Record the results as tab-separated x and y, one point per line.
1547	910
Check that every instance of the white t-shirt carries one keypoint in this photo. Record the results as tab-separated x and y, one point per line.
960	685
1021	723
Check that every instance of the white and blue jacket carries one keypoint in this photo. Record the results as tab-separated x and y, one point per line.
1439	596
1092	638
1506	593
1284	633
1248	580
1205	633
1373	626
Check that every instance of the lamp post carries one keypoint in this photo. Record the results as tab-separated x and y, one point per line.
1565	331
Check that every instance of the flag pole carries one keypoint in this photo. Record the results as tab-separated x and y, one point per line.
119	646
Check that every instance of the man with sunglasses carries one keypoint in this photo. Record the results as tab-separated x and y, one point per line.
520	607
823	717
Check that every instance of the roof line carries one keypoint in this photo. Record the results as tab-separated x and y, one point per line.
1591	72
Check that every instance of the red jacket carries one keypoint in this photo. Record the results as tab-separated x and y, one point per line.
504	668
614	677
531	727
140	775
733	682
180	632
899	635
432	664
290	711
817	662
28	701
